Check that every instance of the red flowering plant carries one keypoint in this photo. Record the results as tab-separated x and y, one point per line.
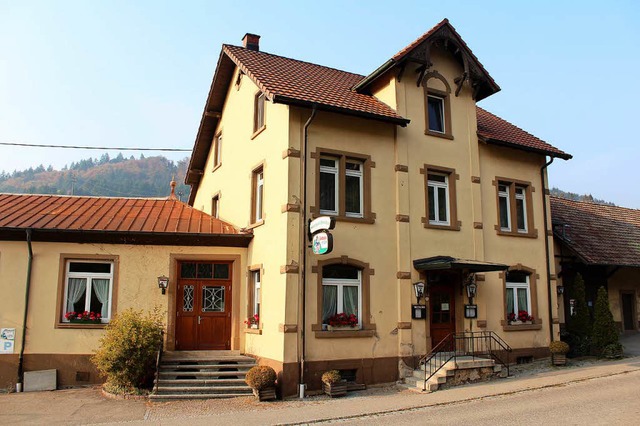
343	319
84	317
523	316
253	320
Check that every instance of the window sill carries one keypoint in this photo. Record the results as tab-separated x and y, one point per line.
531	234
456	227
81	326
256	224
216	167
537	325
438	134
253	331
338	334
257	132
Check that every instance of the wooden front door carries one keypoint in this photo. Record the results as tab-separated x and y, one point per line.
628	320
443	312
203	311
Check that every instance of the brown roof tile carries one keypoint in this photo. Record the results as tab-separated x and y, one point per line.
599	234
103	214
497	130
293	80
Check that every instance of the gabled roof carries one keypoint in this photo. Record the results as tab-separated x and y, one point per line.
443	36
597	233
495	130
106	219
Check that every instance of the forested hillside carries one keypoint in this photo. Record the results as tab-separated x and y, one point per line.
115	177
578	197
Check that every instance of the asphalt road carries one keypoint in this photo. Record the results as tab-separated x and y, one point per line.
603	401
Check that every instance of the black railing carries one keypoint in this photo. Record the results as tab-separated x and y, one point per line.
158	359
479	344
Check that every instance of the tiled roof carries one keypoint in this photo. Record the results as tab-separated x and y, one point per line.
497	130
599	234
293	80
131	216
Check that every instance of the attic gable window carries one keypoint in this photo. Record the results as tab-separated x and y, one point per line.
258	113
436	113
437	105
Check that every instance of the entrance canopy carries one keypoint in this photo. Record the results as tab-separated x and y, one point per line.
437	263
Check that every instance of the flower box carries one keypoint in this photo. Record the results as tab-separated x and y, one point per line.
335	389
85	317
85	321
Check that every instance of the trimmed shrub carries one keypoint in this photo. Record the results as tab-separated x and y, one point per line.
330	377
261	377
128	350
613	350
605	332
558	347
580	325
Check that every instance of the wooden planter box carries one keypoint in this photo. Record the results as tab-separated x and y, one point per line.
83	321
335	389
559	359
267	394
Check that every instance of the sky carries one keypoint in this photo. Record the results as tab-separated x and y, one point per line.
137	73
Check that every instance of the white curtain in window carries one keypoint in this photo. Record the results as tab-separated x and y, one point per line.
329	301
101	289
510	307
350	300
75	291
523	304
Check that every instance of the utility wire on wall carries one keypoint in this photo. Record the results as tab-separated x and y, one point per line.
94	147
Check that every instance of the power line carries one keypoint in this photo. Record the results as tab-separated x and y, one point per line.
94	147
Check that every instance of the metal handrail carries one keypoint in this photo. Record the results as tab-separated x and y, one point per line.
479	344
158	359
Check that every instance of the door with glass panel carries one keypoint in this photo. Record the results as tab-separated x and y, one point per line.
203	311
443	317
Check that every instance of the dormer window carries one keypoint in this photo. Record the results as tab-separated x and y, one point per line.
437	106
258	116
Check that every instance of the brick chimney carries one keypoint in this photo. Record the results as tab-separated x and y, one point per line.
251	41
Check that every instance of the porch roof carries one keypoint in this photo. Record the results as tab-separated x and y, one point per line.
447	262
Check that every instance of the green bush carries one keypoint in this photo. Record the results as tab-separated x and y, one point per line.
128	350
580	324
261	377
613	350
605	332
558	347
330	377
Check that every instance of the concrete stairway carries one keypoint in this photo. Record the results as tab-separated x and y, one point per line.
202	375
464	369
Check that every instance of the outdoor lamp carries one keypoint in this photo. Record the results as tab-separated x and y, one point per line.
163	283
472	288
560	290
419	289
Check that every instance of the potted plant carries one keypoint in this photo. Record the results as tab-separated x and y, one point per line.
613	351
262	379
332	384
342	320
559	351
84	317
253	321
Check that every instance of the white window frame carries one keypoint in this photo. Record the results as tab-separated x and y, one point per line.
523	197
89	276
360	175
335	171
505	195
435	185
515	286
340	283
259	195
257	284
444	124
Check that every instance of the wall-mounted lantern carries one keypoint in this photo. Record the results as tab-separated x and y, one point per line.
472	287
560	290
419	290
163	283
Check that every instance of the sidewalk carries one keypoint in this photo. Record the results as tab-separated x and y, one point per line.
86	406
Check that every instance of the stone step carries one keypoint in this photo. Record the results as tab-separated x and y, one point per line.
203	389
202	373
208	382
178	367
169	397
220	360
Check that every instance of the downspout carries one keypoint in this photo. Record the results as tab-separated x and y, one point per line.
24	319
303	247
546	244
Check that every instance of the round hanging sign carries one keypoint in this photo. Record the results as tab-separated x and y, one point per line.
322	243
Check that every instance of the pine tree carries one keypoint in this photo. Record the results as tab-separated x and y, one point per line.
605	331
580	325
